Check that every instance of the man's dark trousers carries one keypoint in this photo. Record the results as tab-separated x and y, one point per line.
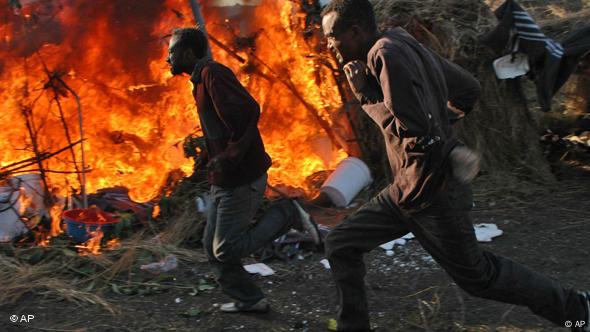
231	234
446	232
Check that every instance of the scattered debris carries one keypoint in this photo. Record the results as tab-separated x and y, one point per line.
117	199
400	242
204	285
169	263
203	202
260	268
192	312
325	263
485	232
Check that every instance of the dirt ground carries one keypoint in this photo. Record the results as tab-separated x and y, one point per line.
407	291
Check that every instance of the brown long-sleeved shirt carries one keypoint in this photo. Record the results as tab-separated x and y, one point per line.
409	103
229	118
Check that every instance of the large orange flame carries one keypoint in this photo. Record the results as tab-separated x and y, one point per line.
112	54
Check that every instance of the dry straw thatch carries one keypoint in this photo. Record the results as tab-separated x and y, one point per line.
59	272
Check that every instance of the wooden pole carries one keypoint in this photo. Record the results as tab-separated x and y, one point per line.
201	23
9	169
27	114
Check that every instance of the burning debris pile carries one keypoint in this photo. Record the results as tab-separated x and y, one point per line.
133	117
91	103
98	126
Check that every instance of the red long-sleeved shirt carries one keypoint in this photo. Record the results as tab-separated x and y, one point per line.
229	117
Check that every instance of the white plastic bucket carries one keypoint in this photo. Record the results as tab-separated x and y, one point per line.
349	178
10	223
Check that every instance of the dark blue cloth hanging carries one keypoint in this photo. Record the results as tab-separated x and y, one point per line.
551	62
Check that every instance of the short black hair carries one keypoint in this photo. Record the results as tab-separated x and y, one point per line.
193	38
359	12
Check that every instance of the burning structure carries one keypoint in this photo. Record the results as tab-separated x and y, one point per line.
90	103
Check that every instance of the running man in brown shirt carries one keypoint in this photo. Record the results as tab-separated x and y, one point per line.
413	95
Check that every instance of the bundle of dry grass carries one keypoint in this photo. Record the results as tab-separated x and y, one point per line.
59	272
184	224
559	26
19	278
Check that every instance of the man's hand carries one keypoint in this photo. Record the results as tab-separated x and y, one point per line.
218	165
459	114
465	164
356	73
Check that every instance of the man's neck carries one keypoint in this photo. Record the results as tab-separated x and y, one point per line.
196	70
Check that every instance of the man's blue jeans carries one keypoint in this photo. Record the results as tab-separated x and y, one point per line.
231	234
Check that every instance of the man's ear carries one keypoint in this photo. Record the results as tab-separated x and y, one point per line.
188	55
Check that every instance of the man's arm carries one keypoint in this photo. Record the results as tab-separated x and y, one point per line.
238	111
402	94
463	88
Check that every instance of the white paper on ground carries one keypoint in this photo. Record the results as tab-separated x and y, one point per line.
168	263
388	246
400	242
260	268
325	263
485	232
408	236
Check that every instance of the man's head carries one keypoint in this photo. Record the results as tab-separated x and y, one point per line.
186	47
349	26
